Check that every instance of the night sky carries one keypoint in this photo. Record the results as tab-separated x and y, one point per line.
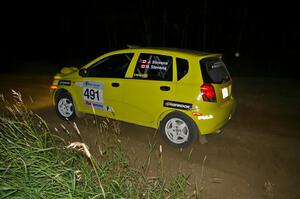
71	33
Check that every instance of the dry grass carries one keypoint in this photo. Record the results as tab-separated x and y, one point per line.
34	163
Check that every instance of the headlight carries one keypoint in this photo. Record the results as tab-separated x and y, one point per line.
54	84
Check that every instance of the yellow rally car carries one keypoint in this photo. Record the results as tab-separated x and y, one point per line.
184	93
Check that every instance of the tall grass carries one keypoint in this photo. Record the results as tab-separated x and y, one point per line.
34	163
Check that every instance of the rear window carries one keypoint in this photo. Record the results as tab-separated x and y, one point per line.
214	70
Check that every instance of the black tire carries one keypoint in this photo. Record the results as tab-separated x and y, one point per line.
170	130
64	106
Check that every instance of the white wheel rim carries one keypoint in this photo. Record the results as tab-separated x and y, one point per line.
177	131
65	107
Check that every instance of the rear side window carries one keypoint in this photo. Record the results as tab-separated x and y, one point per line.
182	68
214	70
153	67
114	66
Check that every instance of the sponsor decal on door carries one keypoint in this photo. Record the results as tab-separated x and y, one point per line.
178	105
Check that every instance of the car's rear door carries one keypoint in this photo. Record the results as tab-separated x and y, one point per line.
102	89
151	84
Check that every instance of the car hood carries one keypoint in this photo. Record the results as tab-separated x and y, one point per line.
67	72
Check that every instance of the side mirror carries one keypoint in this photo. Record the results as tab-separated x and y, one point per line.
83	72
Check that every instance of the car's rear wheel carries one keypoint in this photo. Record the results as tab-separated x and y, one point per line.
178	129
65	107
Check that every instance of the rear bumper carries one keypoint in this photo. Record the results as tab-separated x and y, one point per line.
215	117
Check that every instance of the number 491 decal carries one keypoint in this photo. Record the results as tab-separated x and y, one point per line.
93	92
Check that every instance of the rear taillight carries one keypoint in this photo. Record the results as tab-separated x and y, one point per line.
208	93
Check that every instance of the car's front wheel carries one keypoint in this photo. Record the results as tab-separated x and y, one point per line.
178	129
65	107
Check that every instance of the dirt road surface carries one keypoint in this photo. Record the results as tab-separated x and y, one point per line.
256	156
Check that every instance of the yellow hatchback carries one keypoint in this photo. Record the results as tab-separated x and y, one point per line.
184	93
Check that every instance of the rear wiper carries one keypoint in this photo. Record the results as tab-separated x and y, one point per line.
225	79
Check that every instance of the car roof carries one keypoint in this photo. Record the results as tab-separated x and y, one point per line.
158	50
175	50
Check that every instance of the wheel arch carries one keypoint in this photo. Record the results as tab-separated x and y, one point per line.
165	113
59	92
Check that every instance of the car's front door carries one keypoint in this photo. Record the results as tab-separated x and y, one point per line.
151	84
101	91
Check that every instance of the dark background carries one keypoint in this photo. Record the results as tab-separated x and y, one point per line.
46	35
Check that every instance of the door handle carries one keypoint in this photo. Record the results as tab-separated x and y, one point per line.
115	84
165	88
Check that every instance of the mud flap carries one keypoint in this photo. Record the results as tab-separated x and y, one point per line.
202	139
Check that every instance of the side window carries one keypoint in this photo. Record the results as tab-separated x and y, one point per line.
182	68
153	67
114	66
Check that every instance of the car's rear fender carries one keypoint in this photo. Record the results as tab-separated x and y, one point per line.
164	114
161	117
